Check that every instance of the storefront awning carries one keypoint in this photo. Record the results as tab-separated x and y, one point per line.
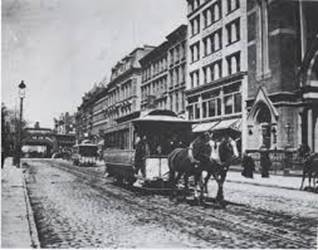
203	127
234	124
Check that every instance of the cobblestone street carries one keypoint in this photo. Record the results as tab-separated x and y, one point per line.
69	213
72	211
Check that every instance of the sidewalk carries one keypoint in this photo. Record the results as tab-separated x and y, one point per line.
17	222
287	182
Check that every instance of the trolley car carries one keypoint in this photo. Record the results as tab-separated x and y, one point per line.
85	154
164	131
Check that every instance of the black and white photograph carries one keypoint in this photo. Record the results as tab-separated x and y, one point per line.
181	124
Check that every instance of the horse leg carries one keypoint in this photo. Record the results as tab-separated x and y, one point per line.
186	183
309	178
172	183
202	188
303	180
220	196
205	184
220	193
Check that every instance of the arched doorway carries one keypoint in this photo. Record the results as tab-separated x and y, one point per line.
264	121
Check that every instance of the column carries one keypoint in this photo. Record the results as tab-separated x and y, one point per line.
310	129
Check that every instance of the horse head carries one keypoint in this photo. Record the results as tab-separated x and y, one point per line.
223	151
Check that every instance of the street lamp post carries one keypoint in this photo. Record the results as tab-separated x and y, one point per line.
22	87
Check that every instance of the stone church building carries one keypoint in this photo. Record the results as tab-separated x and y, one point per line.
282	102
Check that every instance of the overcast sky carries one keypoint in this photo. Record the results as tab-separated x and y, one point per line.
60	48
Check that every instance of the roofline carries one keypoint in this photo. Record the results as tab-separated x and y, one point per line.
179	28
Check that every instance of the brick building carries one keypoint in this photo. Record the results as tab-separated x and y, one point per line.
217	64
282	72
164	72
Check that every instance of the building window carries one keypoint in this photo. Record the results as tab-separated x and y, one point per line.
195	52
171	102
233	31
232	5
182	73
233	63
171	57
177	76
195	79
232	99
228	104
212	72
238	103
177	54
213	42
183	50
212	14
190	113
177	102
197	111
195	25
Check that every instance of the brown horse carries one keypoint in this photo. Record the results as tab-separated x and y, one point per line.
216	159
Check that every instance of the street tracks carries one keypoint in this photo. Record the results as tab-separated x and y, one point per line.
236	226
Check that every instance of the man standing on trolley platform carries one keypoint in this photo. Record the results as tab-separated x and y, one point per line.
142	151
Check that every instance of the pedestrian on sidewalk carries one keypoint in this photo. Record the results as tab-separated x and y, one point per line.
265	164
248	165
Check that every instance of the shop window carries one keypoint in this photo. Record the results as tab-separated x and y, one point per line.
190	112
197	111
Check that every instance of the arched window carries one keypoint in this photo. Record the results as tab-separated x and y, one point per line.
208	74
263	114
216	41
208	17
194	80
216	12
217	71
234	33
208	45
233	65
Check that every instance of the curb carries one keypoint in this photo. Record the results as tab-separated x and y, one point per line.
262	185
30	217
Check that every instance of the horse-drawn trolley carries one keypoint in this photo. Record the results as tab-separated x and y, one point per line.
85	154
145	155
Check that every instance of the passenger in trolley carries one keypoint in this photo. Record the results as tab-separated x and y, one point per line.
142	151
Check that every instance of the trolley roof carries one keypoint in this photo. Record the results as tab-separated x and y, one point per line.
165	116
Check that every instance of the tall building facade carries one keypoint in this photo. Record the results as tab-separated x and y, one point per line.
155	78
164	72
177	60
123	98
217	63
282	72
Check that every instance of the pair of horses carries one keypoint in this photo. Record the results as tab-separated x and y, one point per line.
215	156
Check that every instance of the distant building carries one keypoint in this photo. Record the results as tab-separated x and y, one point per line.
217	64
164	72
39	142
90	119
123	98
65	124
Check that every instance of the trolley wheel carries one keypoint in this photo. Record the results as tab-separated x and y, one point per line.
119	180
